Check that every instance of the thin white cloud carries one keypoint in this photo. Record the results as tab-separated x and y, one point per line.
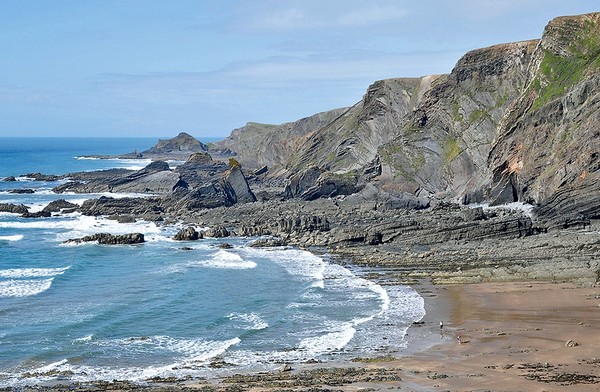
285	19
371	15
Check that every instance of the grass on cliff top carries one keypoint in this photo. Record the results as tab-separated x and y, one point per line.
558	74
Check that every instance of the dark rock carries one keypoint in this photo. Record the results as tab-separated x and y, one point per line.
154	167
123	206
122	218
236	186
261	171
22	191
110	239
225	245
38	214
58	205
182	144
43	177
9	179
217	232
199	158
187	234
331	184
301	182
13	208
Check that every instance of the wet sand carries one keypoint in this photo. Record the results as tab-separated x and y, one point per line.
514	338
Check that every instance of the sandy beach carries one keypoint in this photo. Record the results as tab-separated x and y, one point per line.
515	337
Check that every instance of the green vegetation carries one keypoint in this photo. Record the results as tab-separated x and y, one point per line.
451	149
558	73
502	100
234	163
351	122
476	115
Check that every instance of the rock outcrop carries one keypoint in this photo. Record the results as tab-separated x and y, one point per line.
60	205
188	234
13	208
180	146
110	239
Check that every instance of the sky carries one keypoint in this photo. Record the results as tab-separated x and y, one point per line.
156	68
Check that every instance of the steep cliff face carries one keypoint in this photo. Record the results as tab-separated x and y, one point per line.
352	140
443	145
548	146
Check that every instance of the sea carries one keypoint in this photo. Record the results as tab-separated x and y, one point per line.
164	308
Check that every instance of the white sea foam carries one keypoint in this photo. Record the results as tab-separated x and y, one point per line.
12	238
32	272
336	338
87	338
227	260
519	206
131	164
190	355
222	259
296	262
80	225
255	322
23	288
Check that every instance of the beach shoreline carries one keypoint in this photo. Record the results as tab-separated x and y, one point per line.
515	336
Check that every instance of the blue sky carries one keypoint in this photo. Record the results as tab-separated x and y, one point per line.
155	68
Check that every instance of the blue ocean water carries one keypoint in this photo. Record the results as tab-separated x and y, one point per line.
91	312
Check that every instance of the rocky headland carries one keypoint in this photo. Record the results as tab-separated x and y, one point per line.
487	173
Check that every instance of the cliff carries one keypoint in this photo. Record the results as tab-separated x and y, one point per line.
511	122
547	150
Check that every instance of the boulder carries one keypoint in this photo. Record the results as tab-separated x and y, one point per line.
9	179
236	186
187	234
217	232
199	157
